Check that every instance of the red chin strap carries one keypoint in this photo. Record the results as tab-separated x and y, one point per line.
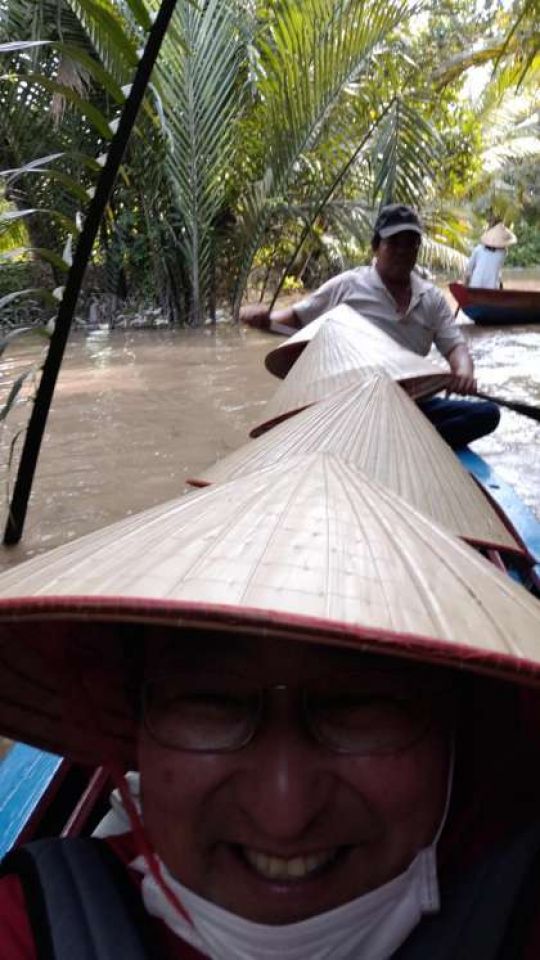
142	842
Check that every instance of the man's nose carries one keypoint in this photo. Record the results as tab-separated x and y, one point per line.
286	781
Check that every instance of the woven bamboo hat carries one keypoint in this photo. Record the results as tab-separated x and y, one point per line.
377	428
280	360
316	553
347	349
499	237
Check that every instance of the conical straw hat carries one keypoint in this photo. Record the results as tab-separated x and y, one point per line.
280	360
380	430
498	236
317	552
342	354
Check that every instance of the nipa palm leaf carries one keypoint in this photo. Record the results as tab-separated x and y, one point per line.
199	76
312	52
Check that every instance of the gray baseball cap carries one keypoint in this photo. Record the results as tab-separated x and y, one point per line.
396	218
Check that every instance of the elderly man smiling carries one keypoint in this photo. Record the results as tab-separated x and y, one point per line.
281	659
392	296
287	781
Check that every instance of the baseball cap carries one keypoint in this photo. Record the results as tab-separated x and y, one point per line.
396	218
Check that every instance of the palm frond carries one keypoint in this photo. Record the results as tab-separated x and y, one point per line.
199	75
524	22
438	254
481	53
109	34
312	51
404	154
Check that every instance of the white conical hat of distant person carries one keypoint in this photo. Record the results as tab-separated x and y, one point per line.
377	428
346	351
377	346
316	552
499	237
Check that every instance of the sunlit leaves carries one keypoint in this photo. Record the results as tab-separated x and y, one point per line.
312	52
405	150
199	76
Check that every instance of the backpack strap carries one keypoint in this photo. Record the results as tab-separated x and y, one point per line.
487	913
81	903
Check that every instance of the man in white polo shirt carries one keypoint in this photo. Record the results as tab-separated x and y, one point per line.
413	312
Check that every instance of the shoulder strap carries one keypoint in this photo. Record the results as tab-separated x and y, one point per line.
488	913
81	903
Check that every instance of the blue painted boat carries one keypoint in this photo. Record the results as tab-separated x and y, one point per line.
44	795
517	515
27	776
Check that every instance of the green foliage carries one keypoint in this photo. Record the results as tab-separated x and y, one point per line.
16	276
311	53
526	253
270	135
292	285
202	95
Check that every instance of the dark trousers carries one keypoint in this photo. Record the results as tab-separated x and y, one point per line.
459	422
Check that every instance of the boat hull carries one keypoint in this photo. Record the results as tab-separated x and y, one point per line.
498	307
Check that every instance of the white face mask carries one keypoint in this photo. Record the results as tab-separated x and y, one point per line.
371	927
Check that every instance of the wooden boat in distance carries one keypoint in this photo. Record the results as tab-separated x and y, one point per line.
497	306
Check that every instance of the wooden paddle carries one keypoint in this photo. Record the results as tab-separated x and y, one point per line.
524	408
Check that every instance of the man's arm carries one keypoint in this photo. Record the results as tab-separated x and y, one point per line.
451	343
287	321
462	367
278	321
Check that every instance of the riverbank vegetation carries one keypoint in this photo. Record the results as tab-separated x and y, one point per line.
270	134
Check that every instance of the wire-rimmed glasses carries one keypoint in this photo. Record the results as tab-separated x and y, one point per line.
221	712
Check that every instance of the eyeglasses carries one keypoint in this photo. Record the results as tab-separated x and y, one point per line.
222	713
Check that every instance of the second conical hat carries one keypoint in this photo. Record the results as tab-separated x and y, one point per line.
343	353
376	427
280	360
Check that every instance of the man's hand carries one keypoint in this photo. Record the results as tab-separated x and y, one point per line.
256	315
462	367
284	322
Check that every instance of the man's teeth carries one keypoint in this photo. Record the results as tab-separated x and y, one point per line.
277	868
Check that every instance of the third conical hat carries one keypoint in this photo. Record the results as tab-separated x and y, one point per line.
343	353
376	427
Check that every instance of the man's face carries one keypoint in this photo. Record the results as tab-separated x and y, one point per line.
285	828
397	255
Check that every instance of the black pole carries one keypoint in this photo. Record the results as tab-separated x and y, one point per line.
526	409
38	419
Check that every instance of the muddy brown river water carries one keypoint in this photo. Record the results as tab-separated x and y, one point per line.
137	411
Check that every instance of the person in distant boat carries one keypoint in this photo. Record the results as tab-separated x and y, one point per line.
487	259
412	311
